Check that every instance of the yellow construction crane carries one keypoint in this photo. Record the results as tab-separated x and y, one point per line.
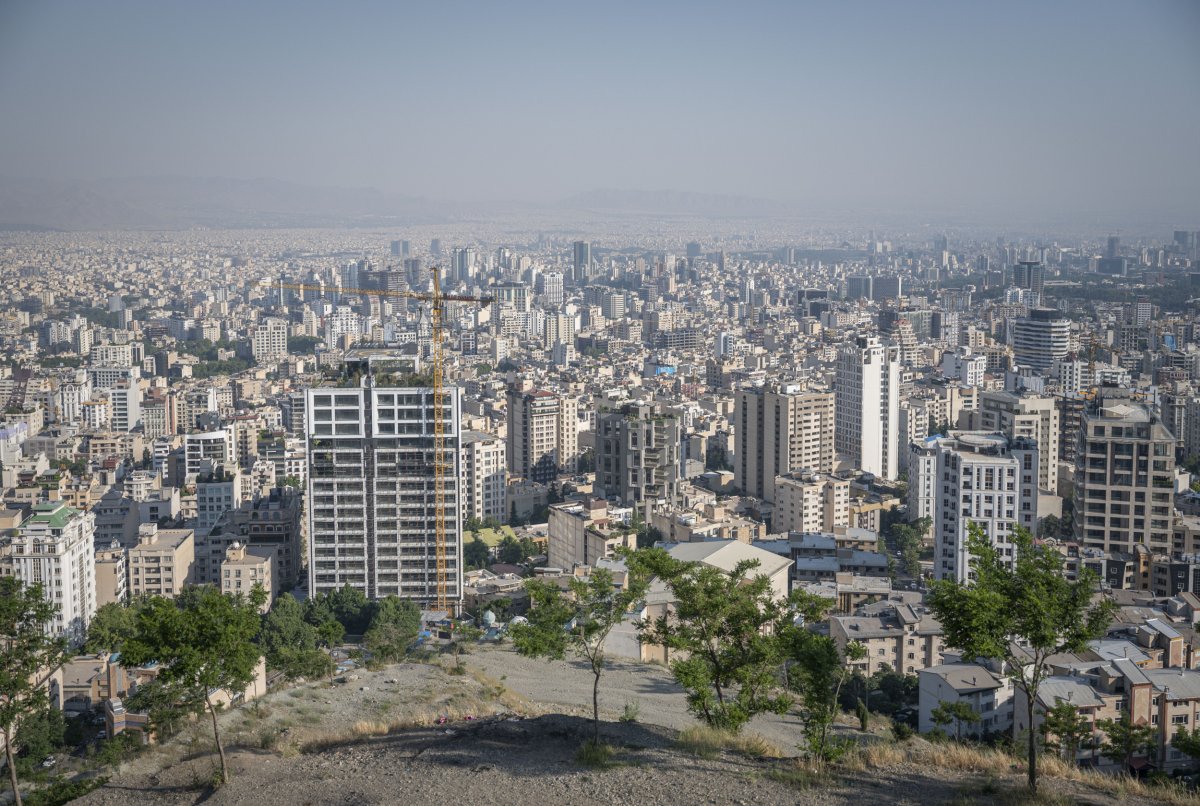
441	465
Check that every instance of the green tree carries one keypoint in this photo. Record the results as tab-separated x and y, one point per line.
1050	526
203	641
41	734
578	621
864	716
723	626
1187	742
113	624
816	671
464	634
393	629
289	643
1123	740
26	654
1066	730
956	711
476	553
1019	613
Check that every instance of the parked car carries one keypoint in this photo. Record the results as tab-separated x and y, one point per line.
49	761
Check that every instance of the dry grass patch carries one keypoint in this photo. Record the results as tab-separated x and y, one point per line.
706	742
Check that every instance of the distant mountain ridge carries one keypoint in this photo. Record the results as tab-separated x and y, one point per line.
182	203
673	202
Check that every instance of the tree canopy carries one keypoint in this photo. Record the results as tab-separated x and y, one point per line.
1019	612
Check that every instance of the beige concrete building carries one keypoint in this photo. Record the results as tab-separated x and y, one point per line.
780	431
1029	416
1124	478
543	435
582	533
112	575
248	566
161	563
810	502
906	638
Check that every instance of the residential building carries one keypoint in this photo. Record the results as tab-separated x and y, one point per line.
987	693
484	477
54	548
268	341
987	480
780	431
810	502
246	567
1124	477
112	576
543	435
207	449
583	533
161	562
373	510
637	455
1041	339
905	638
867	406
1027	416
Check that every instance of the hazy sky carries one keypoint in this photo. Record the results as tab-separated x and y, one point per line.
1088	105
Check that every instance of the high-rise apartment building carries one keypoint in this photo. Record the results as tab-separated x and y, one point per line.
867	405
269	341
205	450
780	431
1041	339
1124	477
985	479
54	548
543	435
484	476
372	491
1030	416
637	455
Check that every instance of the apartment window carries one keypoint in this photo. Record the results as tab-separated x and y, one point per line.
1179	719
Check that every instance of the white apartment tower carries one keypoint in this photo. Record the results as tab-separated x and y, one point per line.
986	479
372	493
54	548
484	476
868	406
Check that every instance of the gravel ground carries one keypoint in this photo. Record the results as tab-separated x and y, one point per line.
566	686
380	739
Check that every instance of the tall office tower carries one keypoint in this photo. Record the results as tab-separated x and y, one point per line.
1041	339
983	265
858	286
778	432
54	547
484	476
414	272
868	401
1113	248
637	455
543	435
582	262
550	286
887	288
269	341
693	250
1027	416
464	264
435	247
1030	274
397	248
125	402
810	502
1124	477
373	514
988	480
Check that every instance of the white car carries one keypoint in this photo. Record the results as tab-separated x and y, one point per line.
49	761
